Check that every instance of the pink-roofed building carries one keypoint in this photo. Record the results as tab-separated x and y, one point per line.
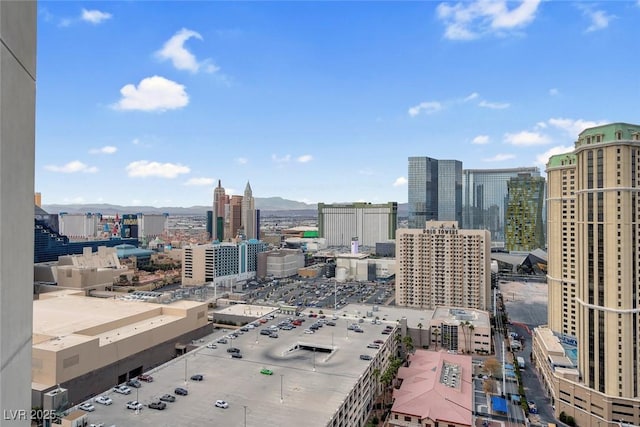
436	389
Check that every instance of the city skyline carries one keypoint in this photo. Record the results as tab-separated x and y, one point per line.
157	101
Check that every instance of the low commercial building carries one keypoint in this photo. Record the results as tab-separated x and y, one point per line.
87	345
326	378
91	270
279	263
436	389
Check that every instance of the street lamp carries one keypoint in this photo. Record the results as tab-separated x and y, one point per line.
281	395
314	359
245	415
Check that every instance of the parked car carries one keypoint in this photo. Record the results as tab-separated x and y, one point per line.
378	342
168	398
233	350
104	400
212	345
134	404
134	383
222	341
236	355
373	345
181	391
146	378
197	377
87	407
365	357
265	332
308	331
122	389
222	404
273	335
266	371
157	405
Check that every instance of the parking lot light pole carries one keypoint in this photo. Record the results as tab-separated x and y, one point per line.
281	396
245	415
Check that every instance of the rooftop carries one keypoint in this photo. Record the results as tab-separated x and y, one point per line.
437	386
312	376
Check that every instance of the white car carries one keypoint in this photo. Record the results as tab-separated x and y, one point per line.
308	331
221	404
87	407
134	404
104	400
212	345
122	389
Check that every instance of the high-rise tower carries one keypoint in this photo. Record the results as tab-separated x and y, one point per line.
249	223
523	223
435	190
594	271
220	199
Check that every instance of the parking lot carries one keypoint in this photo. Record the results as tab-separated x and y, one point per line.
319	293
311	374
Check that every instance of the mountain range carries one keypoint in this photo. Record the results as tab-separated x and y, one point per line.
269	206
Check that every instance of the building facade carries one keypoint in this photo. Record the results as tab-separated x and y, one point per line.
593	274
435	190
368	223
280	263
524	227
443	265
17	153
484	194
218	262
79	227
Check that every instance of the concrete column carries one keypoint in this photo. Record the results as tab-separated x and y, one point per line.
17	153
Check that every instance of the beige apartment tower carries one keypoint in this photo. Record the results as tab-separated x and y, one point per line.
594	272
442	265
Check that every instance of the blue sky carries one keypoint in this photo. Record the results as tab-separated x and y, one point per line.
150	103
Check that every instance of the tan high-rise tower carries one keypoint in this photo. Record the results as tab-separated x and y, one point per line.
594	270
249	214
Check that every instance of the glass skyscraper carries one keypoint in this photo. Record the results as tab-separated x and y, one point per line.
485	196
435	190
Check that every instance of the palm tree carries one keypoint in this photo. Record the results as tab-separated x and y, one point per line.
436	333
420	336
464	325
471	328
408	344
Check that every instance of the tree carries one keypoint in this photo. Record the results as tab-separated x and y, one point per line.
436	333
471	334
464	326
489	386
492	366
408	344
420	335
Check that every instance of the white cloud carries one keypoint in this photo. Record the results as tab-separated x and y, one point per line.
107	149
145	168
471	20
500	158
367	172
480	140
242	160
283	159
526	138
200	182
175	51
72	167
400	182
573	127
305	158
599	18
493	105
153	94
135	141
428	107
471	97
543	159
554	92
95	16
